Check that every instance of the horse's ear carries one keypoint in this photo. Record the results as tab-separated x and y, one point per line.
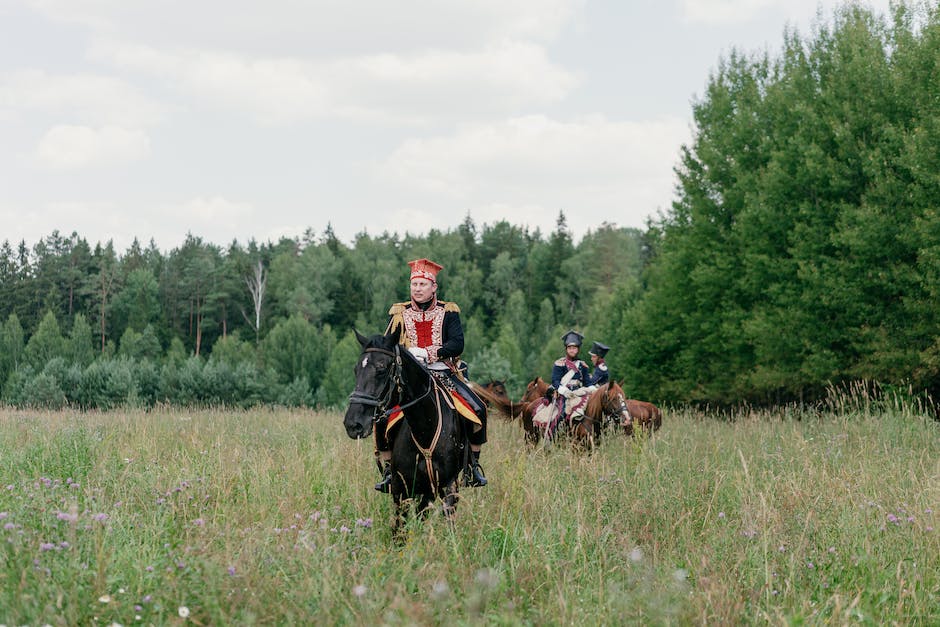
363	340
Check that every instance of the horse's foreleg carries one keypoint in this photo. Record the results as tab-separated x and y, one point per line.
397	519
449	508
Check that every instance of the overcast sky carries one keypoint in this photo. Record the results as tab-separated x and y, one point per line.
241	119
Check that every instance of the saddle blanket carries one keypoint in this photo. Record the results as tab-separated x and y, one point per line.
546	415
456	401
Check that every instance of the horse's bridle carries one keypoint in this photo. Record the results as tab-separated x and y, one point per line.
611	410
392	386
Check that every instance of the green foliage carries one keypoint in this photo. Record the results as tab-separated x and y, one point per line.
137	304
233	350
339	379
106	384
138	346
296	349
490	365
11	347
47	342
799	249
297	393
80	349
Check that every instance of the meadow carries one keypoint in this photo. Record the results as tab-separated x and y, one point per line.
269	517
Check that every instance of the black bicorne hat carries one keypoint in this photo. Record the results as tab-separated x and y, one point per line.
599	349
572	337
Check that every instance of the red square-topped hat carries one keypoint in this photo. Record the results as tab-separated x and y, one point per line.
424	269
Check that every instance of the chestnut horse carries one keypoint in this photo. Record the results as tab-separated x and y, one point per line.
640	413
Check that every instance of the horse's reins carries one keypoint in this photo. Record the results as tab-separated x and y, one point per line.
607	406
394	382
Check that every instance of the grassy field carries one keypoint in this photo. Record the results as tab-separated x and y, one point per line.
269	517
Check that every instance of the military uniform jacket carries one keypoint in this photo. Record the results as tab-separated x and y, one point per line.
436	327
563	366
600	376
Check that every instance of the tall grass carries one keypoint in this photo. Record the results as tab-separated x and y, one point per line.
270	517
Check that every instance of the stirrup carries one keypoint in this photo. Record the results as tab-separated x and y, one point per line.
474	477
385	485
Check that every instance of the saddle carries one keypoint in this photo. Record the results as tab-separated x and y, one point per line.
453	399
551	413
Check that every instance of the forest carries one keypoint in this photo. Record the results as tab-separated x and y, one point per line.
801	252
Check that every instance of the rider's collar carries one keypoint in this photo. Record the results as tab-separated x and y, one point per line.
426	305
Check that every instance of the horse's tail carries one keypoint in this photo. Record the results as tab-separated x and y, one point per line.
500	402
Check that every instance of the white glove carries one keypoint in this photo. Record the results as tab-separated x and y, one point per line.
419	353
590	388
564	391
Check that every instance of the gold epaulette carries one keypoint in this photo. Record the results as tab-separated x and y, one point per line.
449	306
397	308
560	362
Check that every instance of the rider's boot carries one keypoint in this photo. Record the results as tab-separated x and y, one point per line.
385	485
476	478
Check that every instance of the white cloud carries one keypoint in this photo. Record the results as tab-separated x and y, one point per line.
391	86
211	210
360	27
593	168
94	221
66	146
720	11
739	11
87	98
536	152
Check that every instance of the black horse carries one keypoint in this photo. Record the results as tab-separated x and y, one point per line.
430	446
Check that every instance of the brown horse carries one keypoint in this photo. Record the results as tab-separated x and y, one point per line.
532	401
638	413
644	415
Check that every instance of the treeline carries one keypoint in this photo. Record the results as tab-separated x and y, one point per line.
802	252
273	323
804	246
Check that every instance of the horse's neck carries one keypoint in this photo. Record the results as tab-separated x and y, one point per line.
595	406
422	417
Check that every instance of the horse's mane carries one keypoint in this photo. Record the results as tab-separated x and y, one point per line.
595	406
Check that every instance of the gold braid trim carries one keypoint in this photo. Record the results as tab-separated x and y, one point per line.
395	311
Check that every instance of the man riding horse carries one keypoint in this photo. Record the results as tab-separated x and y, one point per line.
430	329
570	378
601	375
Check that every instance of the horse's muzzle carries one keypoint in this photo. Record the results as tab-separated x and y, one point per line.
357	426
